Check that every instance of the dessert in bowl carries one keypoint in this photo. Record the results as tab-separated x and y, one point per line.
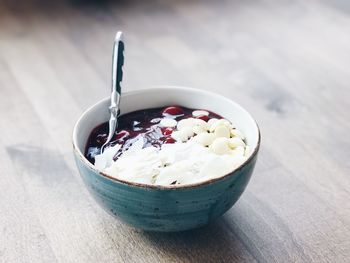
171	145
142	182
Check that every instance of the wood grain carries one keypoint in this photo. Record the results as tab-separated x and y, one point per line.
287	62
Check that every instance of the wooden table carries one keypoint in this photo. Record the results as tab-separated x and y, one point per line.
287	62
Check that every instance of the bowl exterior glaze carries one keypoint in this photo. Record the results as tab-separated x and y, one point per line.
166	210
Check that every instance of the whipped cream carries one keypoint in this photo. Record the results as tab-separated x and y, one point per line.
179	164
203	151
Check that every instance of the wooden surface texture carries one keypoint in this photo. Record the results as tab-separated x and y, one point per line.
287	62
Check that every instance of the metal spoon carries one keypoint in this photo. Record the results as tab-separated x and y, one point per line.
117	76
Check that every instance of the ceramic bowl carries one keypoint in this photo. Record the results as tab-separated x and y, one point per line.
166	208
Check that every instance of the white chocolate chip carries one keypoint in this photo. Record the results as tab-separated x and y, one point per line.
198	113
222	131
235	142
167	122
212	121
220	146
201	123
187	131
238	151
189	122
219	123
237	133
179	136
198	129
204	125
204	138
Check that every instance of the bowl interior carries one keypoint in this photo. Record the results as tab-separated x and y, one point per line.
164	96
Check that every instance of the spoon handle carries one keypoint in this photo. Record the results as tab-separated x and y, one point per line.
118	62
117	76
117	72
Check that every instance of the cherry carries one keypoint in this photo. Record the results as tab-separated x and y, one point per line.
167	131
169	140
172	110
203	117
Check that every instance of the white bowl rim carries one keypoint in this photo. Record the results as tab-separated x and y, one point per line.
162	187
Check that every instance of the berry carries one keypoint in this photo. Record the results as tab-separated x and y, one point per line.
167	131
169	140
172	110
203	117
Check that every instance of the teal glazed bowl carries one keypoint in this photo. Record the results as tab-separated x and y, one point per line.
166	208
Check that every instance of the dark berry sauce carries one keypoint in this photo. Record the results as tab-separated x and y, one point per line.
144	123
